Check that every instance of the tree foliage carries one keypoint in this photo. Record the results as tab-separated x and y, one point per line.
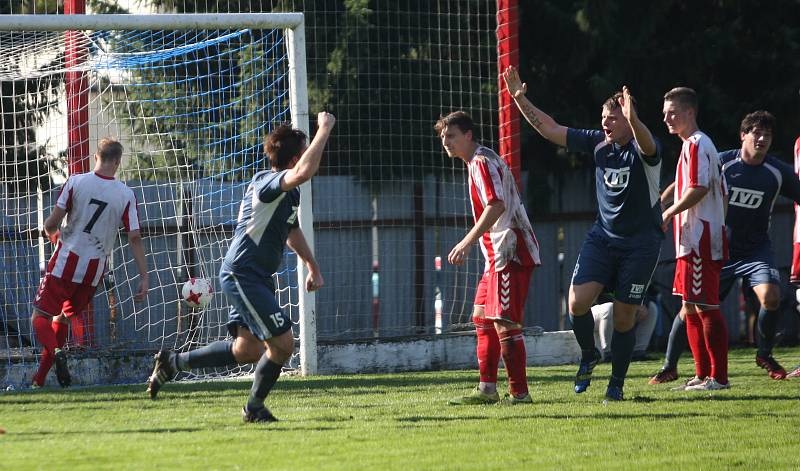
374	66
739	55
24	105
387	73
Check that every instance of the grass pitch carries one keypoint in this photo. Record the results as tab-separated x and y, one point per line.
402	421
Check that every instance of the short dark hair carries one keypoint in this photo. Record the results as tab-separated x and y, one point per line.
613	101
284	144
109	150
683	95
757	119
457	118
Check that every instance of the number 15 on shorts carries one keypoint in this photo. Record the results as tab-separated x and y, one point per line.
277	319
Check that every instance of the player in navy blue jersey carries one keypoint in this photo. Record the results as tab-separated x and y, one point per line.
267	223
754	180
622	248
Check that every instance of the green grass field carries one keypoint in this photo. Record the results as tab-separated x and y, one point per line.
402	421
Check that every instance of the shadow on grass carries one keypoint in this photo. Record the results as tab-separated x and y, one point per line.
113	432
697	396
352	386
429	418
546	416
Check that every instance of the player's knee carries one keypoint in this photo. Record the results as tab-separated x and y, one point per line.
771	304
281	348
578	307
279	355
623	323
247	352
771	301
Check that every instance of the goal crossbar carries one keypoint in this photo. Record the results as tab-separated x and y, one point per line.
154	21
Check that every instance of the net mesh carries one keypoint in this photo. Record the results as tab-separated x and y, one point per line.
387	201
191	109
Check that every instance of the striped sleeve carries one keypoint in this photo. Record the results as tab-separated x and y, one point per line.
699	161
64	200
130	216
490	181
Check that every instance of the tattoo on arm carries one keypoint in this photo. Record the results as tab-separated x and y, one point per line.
530	115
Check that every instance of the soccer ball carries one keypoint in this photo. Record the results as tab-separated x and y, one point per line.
197	292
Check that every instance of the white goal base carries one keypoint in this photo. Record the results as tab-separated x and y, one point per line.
437	352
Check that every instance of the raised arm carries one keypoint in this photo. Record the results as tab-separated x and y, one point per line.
137	248
640	132
541	121
297	242
308	164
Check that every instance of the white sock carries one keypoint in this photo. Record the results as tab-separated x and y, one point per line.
487	388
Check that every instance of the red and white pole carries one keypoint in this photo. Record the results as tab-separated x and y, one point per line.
508	54
77	89
77	94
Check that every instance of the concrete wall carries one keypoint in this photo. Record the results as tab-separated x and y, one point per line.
439	352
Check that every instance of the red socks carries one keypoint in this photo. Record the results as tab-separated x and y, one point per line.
43	328
61	331
697	343
488	349
715	332
45	363
512	344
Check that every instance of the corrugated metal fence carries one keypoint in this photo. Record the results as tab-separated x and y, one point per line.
402	226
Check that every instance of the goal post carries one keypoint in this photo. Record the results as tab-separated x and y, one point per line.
191	192
298	92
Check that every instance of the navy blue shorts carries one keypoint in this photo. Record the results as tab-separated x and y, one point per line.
623	266
253	305
756	269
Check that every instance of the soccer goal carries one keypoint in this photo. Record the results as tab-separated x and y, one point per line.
191	97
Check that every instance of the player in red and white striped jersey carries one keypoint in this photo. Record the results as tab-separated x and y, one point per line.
511	252
795	275
92	207
699	195
510	239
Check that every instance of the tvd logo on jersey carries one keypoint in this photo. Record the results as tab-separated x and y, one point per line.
745	198
617	178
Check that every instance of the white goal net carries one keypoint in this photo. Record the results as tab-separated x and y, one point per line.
386	204
191	98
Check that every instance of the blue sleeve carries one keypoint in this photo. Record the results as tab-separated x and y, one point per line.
295	192
791	184
584	140
269	187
